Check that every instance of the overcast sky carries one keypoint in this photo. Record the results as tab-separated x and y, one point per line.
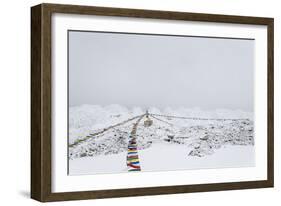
151	70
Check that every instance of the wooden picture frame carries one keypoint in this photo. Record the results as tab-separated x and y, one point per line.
41	98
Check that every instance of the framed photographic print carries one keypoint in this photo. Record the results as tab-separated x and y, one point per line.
130	102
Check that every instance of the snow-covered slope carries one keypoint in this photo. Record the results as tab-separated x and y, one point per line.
88	118
96	132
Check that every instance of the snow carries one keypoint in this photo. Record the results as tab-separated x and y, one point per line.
98	139
85	119
100	164
162	157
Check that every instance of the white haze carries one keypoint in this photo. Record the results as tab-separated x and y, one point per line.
147	70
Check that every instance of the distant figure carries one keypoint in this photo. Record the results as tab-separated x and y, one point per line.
147	122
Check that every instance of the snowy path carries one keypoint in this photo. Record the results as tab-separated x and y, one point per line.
133	162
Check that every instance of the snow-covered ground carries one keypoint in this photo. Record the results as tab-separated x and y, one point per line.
161	157
98	139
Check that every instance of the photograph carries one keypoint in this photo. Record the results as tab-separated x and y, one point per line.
141	102
132	102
